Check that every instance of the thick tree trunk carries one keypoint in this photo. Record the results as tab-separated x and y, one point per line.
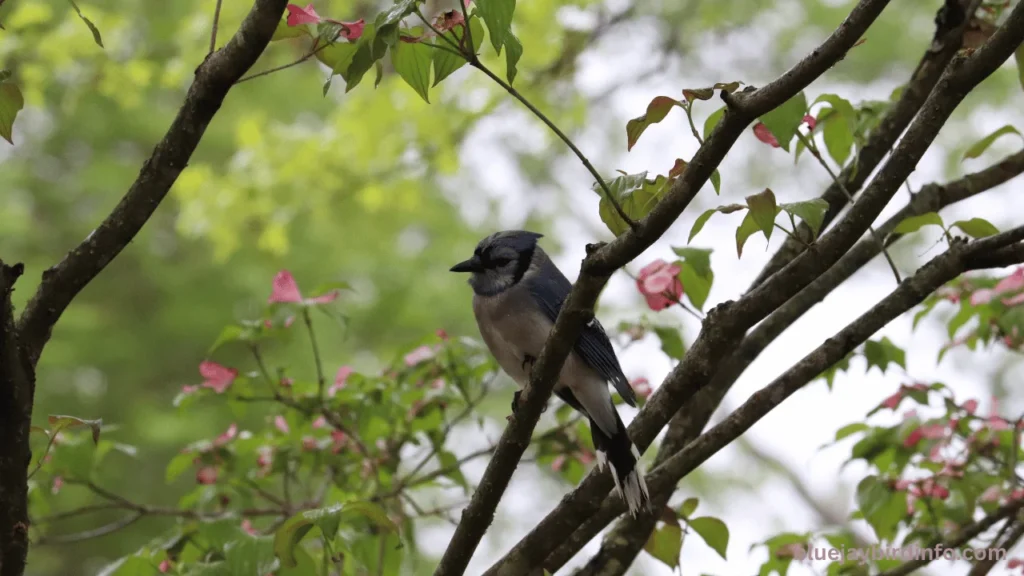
17	385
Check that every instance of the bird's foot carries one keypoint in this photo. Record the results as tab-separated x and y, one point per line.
517	400
528	360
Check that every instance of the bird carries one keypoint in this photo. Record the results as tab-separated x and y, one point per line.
517	294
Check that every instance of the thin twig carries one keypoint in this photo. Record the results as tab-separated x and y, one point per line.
216	23
321	380
813	148
476	63
307	56
89	534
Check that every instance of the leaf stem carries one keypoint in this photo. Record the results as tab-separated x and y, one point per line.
320	379
813	148
476	63
316	50
216	23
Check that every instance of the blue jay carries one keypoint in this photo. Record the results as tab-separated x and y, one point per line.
518	292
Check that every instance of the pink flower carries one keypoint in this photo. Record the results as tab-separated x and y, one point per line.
1017	494
1012	283
58	483
285	289
929	431
320	422
339	380
991	494
227	436
902	484
1015	563
641	386
217	377
189	388
309	443
339	439
206	475
765	135
437	384
281	424
970	406
586	457
265	456
660	285
558	463
418	355
442	334
164	567
298	16
449	20
893	401
351	30
247	526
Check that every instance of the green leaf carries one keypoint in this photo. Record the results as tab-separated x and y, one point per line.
92	27
695	273
251	555
446	63
513	52
671	342
883	352
58	423
689	507
980	146
830	373
716	181
812	212
11	102
635	193
712	121
338	56
284	31
714	532
412	62
659	107
698	94
386	24
745	230
977	227
1019	56
295	528
838	127
763	210
497	14
665	544
915	223
228	334
783	121
703	218
850	429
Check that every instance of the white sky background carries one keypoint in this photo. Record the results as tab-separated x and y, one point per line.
794	431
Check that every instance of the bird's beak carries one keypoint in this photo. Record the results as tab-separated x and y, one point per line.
471	265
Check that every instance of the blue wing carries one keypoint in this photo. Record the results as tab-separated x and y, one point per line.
549	289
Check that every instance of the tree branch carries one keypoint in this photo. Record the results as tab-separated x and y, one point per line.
16	383
983	567
945	267
963	537
214	77
602	262
695	413
727	322
951	21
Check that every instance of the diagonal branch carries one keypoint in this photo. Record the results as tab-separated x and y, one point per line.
959	258
962	537
726	323
951	21
695	413
602	261
213	79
